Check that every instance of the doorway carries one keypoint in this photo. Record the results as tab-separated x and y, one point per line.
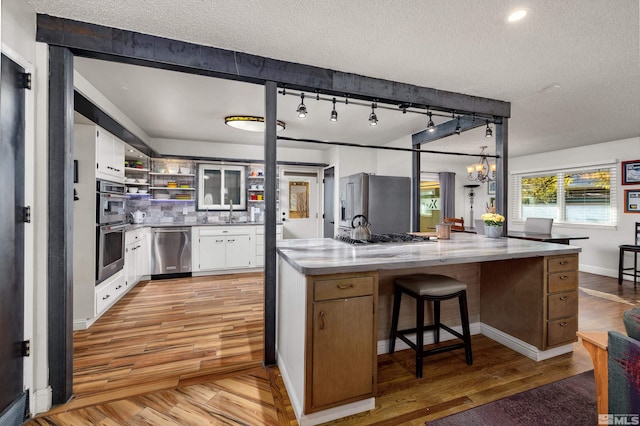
299	201
328	187
429	204
12	140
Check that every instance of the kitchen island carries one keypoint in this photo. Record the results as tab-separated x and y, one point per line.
334	308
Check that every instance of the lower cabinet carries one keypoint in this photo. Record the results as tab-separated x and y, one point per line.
109	291
136	255
342	361
223	247
562	299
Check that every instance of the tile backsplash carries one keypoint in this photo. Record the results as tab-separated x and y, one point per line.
182	212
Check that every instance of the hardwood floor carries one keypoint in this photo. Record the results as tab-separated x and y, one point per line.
189	351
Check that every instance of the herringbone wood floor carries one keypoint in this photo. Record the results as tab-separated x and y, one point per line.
188	351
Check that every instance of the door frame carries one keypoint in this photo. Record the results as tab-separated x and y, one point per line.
334	202
319	191
30	313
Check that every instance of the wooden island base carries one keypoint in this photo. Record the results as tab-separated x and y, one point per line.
332	326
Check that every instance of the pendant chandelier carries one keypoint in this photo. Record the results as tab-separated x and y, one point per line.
483	171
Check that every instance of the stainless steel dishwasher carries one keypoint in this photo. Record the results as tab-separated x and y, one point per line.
171	250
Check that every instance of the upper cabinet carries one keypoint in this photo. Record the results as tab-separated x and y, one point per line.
221	187
109	156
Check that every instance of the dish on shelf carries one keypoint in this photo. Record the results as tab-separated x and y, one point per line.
133	190
160	170
130	180
162	196
172	170
142	191
185	170
142	180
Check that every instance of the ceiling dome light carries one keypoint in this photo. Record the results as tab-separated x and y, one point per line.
334	113
373	118
431	127
302	109
250	123
517	15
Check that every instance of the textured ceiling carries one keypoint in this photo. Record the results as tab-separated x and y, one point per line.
591	49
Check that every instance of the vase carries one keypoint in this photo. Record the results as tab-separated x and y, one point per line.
492	231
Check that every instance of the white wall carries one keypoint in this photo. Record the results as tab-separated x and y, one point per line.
600	252
18	43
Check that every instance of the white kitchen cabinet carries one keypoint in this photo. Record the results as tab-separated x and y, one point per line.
260	242
109	156
223	248
107	292
136	256
101	149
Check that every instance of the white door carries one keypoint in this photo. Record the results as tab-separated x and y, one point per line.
299	201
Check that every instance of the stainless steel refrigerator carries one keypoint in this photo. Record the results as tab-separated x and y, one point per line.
384	200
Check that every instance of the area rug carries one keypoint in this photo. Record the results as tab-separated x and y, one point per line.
570	401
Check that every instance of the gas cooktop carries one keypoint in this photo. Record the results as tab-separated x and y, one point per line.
384	238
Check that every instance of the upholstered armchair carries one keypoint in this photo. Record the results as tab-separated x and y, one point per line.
616	365
624	366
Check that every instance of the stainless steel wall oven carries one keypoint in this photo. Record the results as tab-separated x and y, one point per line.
110	202
110	228
109	250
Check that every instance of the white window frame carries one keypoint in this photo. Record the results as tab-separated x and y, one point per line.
516	193
240	205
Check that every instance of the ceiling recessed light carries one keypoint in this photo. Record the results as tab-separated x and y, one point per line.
131	150
517	15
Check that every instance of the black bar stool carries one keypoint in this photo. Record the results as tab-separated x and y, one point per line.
434	288
635	249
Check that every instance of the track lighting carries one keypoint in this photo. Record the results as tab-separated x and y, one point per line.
488	133
334	113
430	126
373	118
458	128
302	109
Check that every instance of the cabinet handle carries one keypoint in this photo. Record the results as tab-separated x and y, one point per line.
321	320
231	241
343	286
219	241
564	324
564	277
564	262
106	297
119	287
564	297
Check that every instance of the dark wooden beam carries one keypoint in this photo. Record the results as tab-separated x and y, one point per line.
94	113
446	129
270	266
60	224
97	41
502	166
415	190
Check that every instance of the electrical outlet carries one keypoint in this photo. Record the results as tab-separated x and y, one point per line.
185	210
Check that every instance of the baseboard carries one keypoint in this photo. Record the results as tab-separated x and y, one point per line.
607	272
295	402
383	345
524	348
337	412
83	324
42	400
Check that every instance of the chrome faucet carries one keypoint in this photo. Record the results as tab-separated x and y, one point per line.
230	210
206	216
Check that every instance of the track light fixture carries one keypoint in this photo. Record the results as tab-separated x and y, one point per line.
373	118
488	133
430	126
458	128
302	109
334	113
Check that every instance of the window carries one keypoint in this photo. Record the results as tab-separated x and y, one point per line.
220	186
584	195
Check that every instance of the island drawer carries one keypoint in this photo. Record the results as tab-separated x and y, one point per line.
562	331
562	263
342	288
562	304
562	281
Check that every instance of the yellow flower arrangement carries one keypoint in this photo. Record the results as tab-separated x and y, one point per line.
492	219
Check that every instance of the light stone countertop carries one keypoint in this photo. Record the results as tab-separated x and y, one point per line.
320	256
133	226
